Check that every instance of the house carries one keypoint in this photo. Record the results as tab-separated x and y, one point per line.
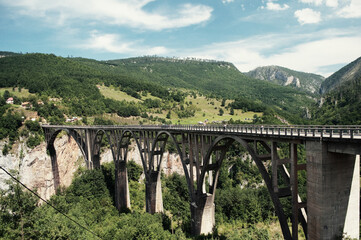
40	102
26	105
10	100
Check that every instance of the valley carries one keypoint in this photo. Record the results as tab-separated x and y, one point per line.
47	89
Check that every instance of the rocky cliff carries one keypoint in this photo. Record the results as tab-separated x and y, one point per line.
287	77
34	165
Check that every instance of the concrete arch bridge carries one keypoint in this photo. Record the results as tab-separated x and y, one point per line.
332	166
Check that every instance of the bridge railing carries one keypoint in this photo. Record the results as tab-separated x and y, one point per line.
319	131
322	131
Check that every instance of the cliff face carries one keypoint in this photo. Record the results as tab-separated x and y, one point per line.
287	77
34	165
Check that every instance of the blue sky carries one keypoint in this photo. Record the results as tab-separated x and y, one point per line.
317	36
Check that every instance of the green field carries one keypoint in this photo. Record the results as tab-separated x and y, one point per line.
207	109
15	92
113	93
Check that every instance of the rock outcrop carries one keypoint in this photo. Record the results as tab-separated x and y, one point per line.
34	166
287	77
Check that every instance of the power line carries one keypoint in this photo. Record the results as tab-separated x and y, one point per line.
18	181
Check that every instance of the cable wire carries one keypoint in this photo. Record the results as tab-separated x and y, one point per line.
71	219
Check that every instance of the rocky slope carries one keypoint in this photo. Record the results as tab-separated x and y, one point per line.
34	165
350	73
287	77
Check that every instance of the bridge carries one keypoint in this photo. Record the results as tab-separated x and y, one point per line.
332	166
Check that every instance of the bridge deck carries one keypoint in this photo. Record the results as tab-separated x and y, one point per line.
297	132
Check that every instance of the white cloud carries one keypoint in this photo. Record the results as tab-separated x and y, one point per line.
329	3
125	12
353	10
227	1
313	53
332	3
276	6
315	2
307	16
114	43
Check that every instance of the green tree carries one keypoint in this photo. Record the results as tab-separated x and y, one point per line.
16	211
231	112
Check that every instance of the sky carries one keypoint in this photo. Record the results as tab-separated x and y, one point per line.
315	36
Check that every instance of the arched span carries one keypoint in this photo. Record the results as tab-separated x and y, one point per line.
112	144
180	153
134	136
73	135
261	168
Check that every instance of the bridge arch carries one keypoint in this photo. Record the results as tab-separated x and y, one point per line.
179	151
227	141
52	151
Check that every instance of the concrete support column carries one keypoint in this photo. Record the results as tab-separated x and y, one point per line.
202	214
122	197
153	192
333	192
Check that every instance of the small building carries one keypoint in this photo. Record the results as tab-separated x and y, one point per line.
26	105
10	100
40	102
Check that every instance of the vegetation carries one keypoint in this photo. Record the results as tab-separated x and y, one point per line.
148	90
341	101
85	87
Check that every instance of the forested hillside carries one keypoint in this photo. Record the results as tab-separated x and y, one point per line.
341	102
216	78
75	82
348	74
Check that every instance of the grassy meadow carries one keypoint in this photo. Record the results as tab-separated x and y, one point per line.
207	109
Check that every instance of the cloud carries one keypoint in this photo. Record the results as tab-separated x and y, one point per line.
315	2
276	6
329	3
307	16
332	3
353	10
303	52
114	43
227	1
129	13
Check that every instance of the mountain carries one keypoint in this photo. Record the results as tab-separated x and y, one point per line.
349	73
75	81
7	54
215	78
341	100
287	77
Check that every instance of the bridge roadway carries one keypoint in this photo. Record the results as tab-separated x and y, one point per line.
332	167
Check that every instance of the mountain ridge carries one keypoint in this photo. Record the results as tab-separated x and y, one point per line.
287	77
348	73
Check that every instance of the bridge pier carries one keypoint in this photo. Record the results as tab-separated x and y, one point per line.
122	197
153	192
333	192
202	214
